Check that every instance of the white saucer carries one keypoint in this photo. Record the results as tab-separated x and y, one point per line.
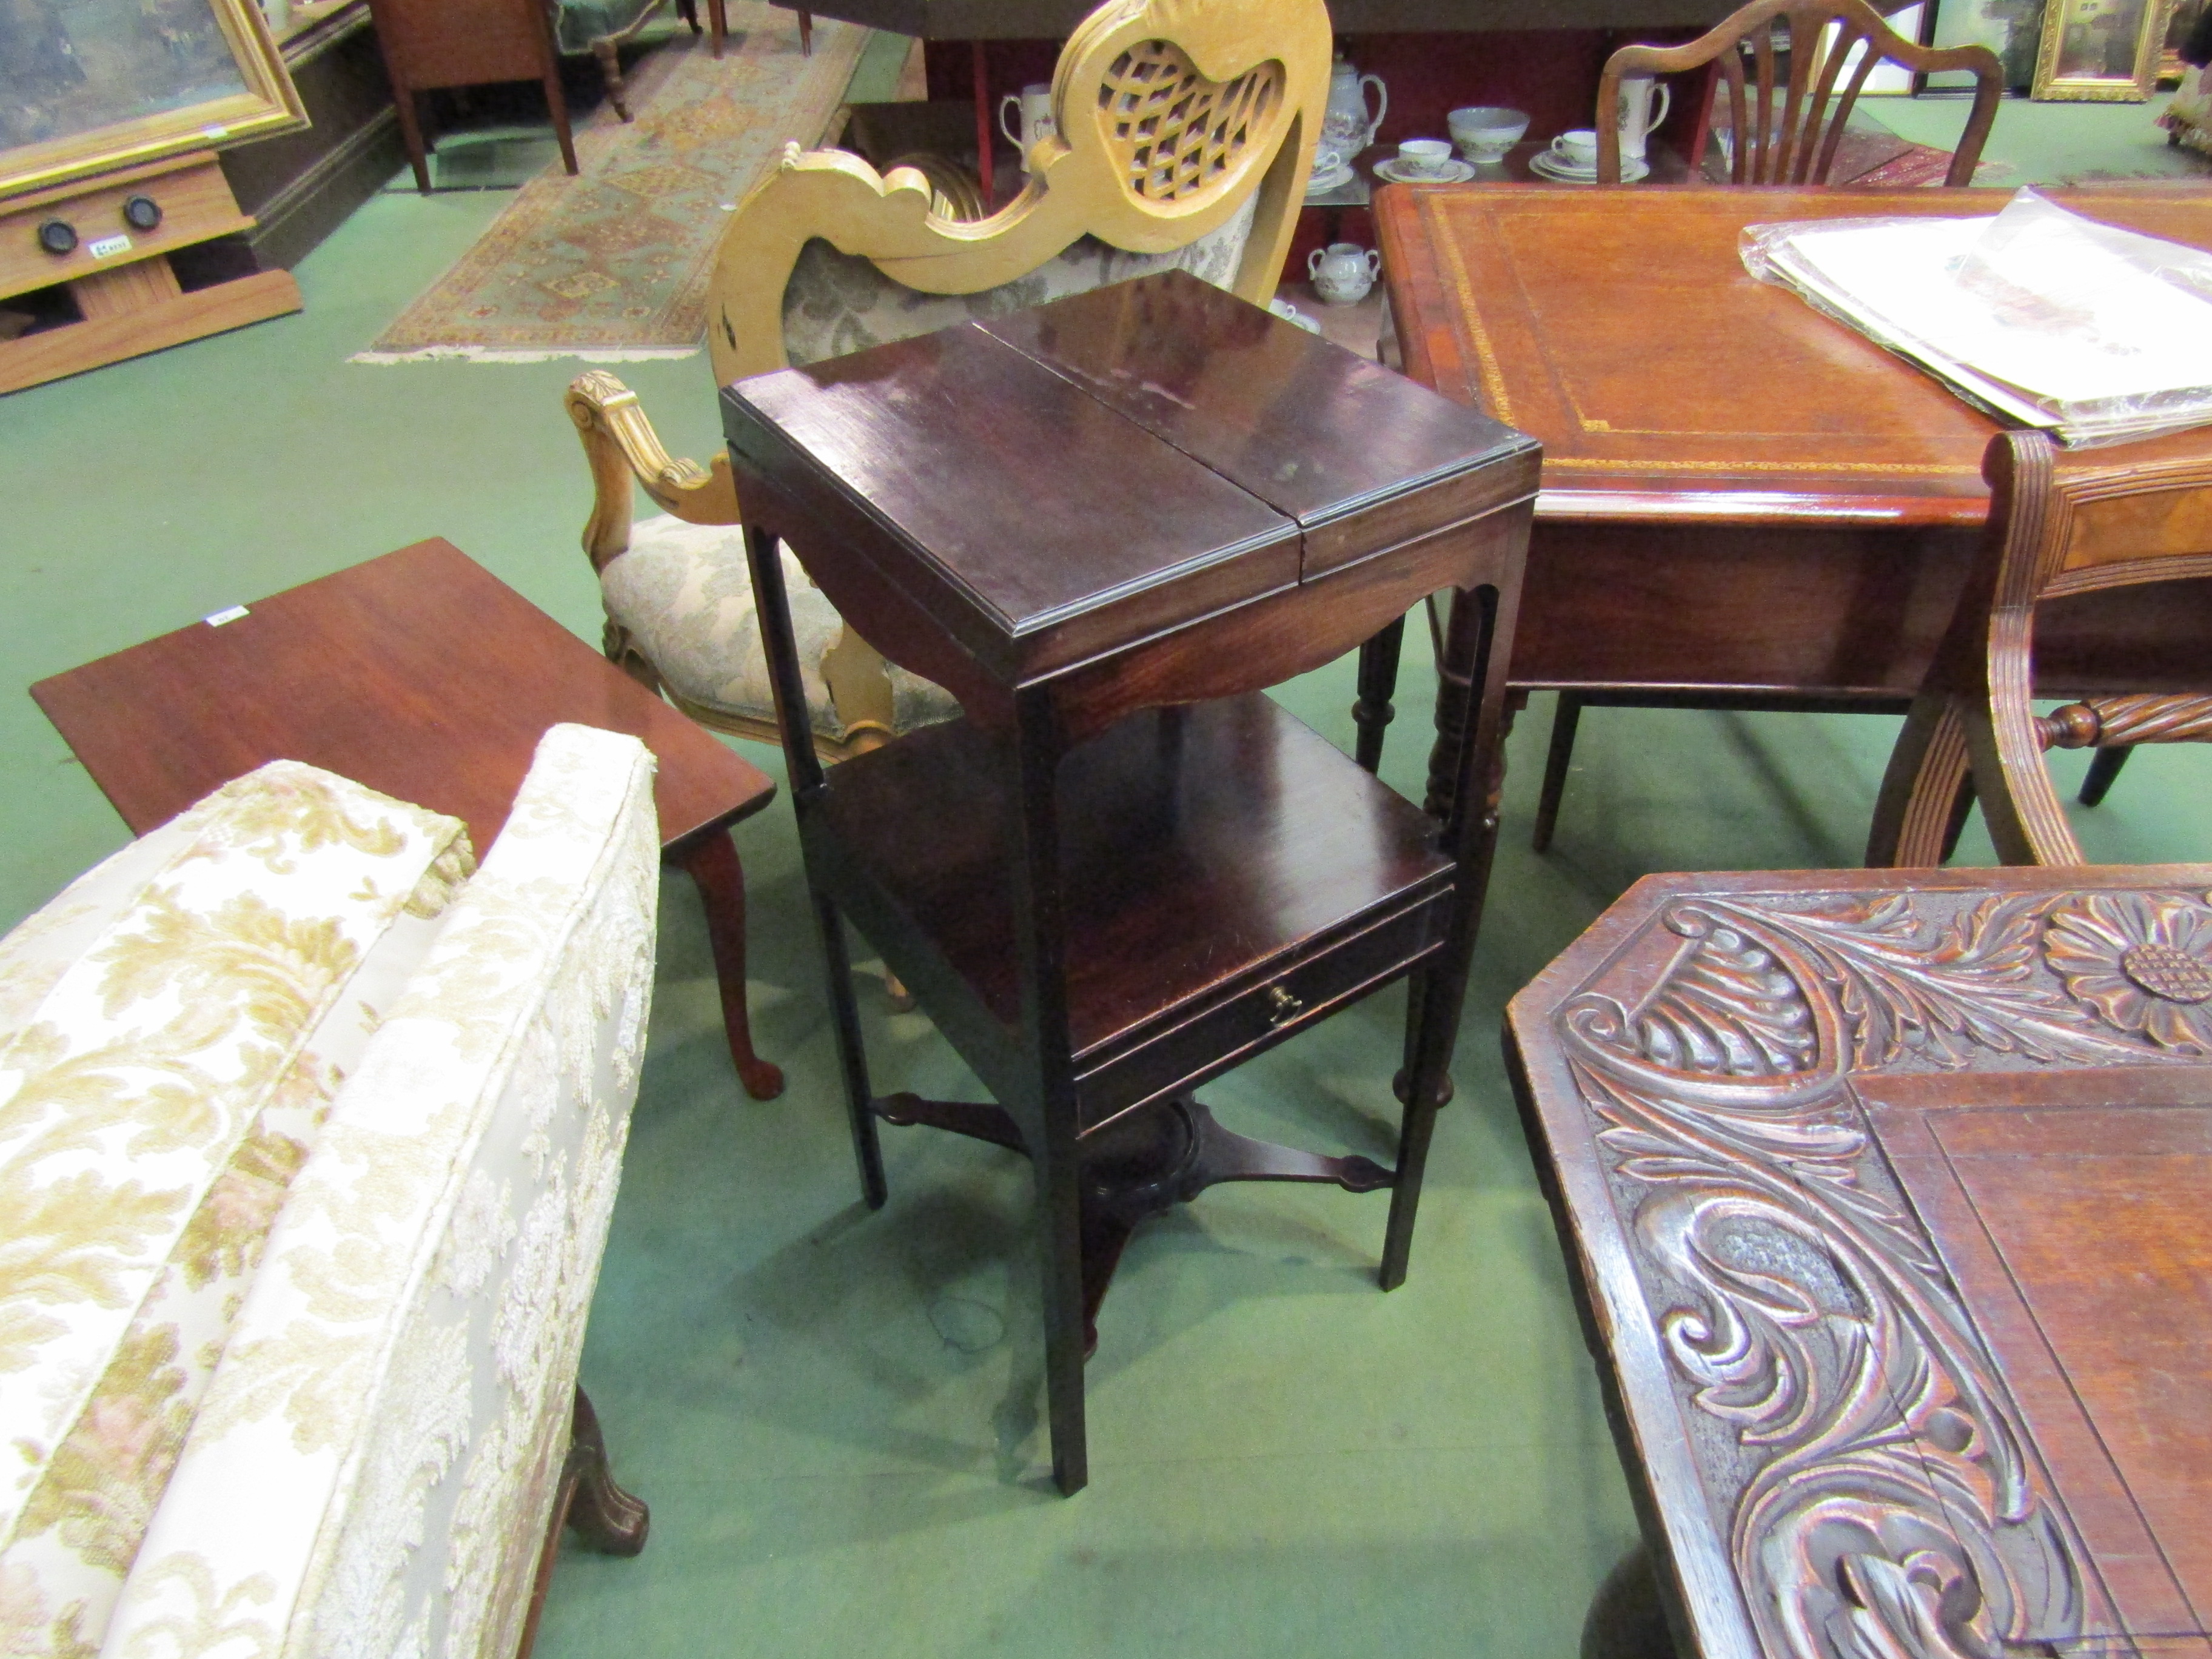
1546	164
1454	171
1321	183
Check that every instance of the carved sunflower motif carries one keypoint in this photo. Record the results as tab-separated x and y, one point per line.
2143	962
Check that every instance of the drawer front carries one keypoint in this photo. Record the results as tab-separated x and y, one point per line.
1260	1013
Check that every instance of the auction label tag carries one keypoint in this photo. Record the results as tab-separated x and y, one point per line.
108	246
221	617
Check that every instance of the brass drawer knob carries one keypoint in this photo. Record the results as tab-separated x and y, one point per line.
1282	1006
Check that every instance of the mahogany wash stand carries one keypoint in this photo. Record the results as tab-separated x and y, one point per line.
1106	525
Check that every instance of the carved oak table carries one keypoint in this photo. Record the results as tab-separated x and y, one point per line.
1105	525
1885	1194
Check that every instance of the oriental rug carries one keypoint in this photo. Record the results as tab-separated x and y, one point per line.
611	265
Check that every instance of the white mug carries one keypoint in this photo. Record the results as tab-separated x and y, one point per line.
1342	272
1031	109
1578	148
1644	105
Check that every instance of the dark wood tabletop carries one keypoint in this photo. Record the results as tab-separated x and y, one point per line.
1883	1194
419	674
1271	463
1739	492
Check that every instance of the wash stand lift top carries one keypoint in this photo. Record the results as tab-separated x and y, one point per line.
1105	525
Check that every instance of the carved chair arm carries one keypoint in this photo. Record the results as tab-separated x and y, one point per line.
621	446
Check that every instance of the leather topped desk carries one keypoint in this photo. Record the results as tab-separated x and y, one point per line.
1739	494
1884	1194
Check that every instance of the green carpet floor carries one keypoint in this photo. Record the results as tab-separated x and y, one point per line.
833	1413
2050	144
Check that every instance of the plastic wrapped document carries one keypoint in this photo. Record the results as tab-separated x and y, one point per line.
2038	315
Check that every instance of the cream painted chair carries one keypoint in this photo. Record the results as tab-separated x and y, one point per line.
1185	131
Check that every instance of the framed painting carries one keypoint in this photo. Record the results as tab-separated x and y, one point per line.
2101	50
2010	29
88	86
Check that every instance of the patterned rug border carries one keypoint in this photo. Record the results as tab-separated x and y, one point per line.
470	353
465	300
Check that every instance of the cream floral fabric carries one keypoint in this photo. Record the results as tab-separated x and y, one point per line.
176	1023
684	593
372	1470
840	302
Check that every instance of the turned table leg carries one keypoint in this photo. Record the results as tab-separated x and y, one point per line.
1378	681
712	862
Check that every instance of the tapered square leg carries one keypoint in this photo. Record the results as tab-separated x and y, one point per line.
1564	720
1059	1244
851	1056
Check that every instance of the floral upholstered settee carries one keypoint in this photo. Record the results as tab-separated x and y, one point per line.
308	1135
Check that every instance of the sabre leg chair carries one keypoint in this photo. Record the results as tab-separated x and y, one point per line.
2061	525
1789	105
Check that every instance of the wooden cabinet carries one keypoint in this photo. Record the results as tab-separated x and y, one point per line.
302	186
463	43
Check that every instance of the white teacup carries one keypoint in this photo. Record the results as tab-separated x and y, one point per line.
1031	109
1577	150
1484	132
1342	272
1425	158
1328	159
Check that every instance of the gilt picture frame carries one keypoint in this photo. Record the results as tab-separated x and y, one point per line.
2100	51
89	86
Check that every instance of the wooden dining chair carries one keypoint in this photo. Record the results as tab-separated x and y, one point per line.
1793	70
2061	525
1184	135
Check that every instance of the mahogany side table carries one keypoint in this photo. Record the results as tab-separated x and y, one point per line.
1883	1196
1105	525
422	675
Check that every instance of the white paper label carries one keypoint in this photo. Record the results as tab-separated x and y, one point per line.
222	616
215	132
108	246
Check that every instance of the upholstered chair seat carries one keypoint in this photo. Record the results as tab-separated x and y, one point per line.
682	595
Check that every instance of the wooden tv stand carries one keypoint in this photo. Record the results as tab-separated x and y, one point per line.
129	295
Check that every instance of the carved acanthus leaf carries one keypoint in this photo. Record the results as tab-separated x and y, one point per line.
1907	986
